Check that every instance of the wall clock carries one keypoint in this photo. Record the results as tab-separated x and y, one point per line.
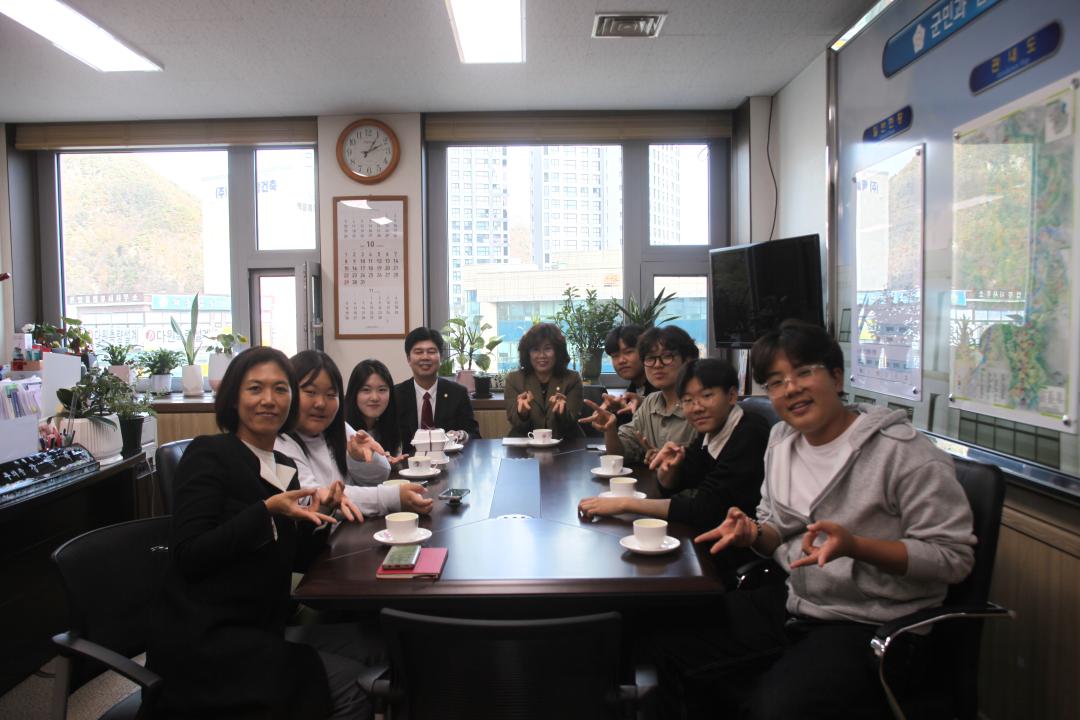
368	151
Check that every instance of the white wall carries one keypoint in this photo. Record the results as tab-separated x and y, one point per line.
406	180
798	152
7	315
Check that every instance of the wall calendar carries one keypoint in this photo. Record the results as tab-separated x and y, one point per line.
371	267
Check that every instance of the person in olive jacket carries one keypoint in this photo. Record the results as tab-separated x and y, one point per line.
239	530
543	393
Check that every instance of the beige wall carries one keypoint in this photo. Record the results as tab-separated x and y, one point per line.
406	180
7	313
798	151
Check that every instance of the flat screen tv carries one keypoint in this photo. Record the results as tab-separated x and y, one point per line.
757	286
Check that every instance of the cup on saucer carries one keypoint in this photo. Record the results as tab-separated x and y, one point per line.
403	525
542	435
422	462
649	532
622	486
611	464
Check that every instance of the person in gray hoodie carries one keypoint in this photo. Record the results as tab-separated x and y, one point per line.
866	516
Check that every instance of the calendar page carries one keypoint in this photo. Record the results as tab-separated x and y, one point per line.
371	261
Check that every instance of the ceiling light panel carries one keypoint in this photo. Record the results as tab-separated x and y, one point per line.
488	31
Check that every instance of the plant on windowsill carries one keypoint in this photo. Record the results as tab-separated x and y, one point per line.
221	354
191	380
132	410
87	413
159	364
121	359
469	347
647	315
586	323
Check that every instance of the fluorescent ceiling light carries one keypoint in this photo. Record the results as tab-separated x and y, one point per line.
488	31
865	20
77	35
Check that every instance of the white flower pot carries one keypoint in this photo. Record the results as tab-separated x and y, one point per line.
101	439
465	377
192	380
122	371
218	364
161	384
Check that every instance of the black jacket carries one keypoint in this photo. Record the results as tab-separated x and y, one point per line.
453	410
218	638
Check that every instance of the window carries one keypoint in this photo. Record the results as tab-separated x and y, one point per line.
285	196
679	194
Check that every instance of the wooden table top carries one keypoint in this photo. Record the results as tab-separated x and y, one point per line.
517	537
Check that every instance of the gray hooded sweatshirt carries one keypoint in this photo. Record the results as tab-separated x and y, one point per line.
895	486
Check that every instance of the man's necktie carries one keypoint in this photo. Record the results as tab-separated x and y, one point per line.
427	417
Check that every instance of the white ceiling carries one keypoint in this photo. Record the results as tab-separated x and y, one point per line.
268	58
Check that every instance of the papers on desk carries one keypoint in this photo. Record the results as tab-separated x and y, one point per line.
516	441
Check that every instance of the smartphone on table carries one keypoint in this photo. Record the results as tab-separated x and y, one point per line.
453	495
401	557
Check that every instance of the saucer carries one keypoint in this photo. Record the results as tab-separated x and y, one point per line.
608	494
544	443
420	536
452	447
419	473
667	545
601	472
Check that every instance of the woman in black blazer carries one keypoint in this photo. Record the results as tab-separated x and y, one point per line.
239	530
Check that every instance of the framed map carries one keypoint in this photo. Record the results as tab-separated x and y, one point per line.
1014	315
888	337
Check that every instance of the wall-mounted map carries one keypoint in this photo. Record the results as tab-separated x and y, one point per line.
1014	335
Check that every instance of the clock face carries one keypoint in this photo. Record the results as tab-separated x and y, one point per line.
368	151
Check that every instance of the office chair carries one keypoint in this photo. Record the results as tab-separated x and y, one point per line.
762	406
457	669
955	644
111	578
166	459
596	394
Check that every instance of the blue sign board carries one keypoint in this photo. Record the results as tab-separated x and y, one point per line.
1035	47
933	27
183	302
895	124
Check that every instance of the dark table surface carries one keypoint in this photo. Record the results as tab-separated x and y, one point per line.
516	542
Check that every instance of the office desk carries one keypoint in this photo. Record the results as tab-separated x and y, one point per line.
517	545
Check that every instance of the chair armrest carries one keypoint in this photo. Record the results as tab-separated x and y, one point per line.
756	573
70	644
929	616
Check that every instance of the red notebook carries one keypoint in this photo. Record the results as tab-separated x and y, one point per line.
428	566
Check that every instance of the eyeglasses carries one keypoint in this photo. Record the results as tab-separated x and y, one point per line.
544	350
799	377
662	359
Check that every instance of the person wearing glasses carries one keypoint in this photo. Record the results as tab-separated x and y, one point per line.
427	401
543	393
659	418
866	516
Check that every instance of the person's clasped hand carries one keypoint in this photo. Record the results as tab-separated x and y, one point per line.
524	403
737	530
333	498
839	542
558	403
668	457
601	420
287	504
412	498
362	447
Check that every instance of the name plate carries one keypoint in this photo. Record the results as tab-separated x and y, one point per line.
1033	49
934	26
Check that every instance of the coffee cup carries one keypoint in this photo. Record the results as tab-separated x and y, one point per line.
622	486
420	463
395	481
611	463
542	435
402	525
650	532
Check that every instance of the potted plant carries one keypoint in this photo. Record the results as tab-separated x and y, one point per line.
132	409
191	380
586	322
87	414
48	336
221	354
469	347
648	314
159	364
121	358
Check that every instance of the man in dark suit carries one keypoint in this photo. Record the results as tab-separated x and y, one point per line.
428	401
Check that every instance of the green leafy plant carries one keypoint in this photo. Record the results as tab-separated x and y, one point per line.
94	397
586	321
648	314
226	341
189	339
119	354
160	361
468	345
133	405
77	338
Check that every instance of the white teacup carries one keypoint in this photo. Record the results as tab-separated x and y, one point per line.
611	463
542	435
622	486
403	525
436	456
650	532
396	481
421	462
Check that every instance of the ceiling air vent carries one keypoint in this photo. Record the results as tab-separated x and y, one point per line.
627	25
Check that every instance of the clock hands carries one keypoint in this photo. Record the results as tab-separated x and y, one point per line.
372	149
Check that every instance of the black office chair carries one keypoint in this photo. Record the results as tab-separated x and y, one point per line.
596	394
166	459
762	406
111	578
455	669
955	644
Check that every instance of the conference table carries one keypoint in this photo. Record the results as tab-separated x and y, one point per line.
516	545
